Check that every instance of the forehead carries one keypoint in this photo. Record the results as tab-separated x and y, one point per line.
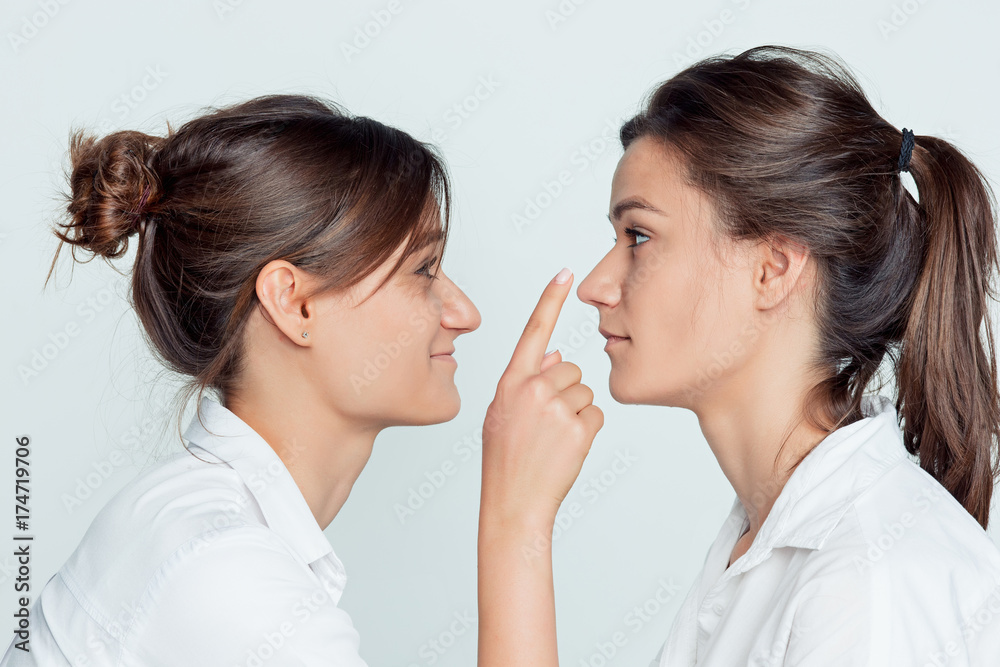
650	173
431	231
427	237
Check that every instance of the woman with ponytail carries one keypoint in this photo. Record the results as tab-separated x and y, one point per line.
769	260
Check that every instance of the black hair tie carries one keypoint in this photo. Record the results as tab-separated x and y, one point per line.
906	150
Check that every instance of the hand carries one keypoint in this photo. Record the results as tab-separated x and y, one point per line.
540	425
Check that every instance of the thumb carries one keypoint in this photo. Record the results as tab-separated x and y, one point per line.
550	359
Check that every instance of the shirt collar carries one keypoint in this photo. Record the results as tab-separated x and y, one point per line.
285	510
826	483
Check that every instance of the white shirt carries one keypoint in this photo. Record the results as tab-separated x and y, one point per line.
864	559
195	563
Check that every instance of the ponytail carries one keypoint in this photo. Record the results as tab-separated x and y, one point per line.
947	375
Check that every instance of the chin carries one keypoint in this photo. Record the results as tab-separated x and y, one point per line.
630	393
439	412
447	409
618	390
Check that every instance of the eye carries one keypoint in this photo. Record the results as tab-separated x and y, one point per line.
425	270
632	233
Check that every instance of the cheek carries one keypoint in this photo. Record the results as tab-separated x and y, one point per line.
720	326
686	316
384	347
405	339
663	300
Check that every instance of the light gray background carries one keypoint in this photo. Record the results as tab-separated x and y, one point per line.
562	76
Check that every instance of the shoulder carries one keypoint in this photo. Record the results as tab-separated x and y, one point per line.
905	525
177	502
908	525
235	593
905	572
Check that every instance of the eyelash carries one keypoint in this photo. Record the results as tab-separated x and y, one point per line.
425	269
632	233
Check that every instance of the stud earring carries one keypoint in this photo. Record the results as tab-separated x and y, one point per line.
305	334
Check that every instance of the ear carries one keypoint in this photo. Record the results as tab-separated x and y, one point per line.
281	290
781	268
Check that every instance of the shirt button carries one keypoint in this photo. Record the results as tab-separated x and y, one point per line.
717	608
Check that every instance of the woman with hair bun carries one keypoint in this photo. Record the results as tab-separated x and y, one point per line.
282	245
768	259
280	242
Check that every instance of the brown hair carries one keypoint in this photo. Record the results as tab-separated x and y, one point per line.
277	177
786	144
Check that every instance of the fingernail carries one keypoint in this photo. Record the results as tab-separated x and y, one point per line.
563	276
550	352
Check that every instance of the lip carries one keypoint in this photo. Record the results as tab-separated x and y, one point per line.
445	356
608	334
613	339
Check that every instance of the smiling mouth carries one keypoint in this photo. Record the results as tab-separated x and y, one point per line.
614	341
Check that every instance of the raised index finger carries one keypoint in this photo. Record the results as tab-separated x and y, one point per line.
530	349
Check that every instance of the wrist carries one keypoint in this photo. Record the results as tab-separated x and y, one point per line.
523	534
504	517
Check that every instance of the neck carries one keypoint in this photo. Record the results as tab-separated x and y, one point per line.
746	420
323	451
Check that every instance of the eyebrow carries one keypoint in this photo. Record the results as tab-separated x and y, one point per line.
431	238
628	204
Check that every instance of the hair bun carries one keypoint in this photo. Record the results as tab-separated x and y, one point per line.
112	190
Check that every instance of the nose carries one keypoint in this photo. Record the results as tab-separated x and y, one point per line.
457	310
601	287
